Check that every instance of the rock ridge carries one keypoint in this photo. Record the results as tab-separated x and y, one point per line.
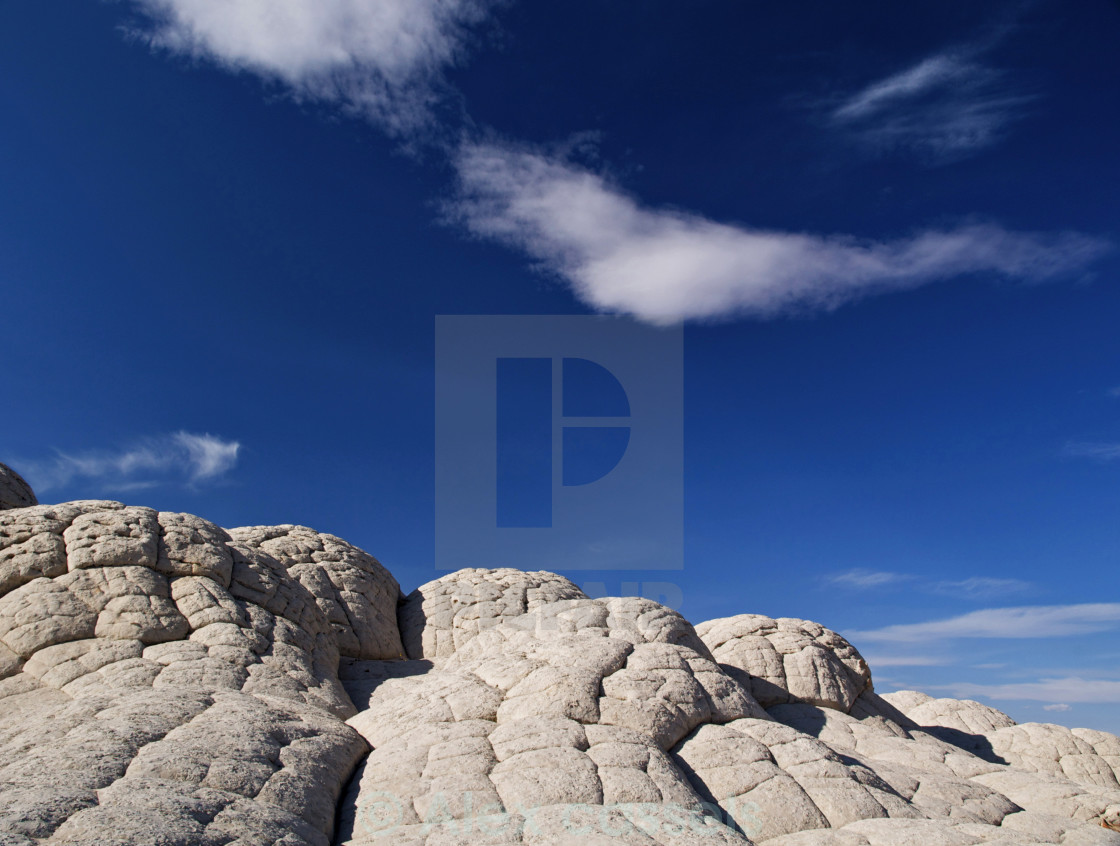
166	681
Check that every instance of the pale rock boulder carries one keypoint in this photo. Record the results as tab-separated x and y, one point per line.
894	832
509	740
130	603
843	790
14	491
32	543
566	659
653	623
789	660
881	742
356	593
1050	828
1081	755
963	722
905	700
191	546
43	613
439	617
737	772
161	683
930	774
1051	795
964	715
395	697
119	537
458	776
164	681
1077	754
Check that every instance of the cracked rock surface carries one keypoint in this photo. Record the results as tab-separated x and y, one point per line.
164	681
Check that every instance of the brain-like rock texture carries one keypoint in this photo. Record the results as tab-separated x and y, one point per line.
166	682
789	660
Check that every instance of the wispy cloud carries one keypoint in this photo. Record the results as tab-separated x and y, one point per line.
981	586
975	587
178	458
1060	691
382	59
946	106
1057	706
1022	622
664	265
861	579
1097	451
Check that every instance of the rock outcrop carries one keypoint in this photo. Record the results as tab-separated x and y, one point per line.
14	491
167	682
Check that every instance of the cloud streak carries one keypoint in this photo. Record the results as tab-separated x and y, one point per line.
979	586
385	60
946	106
1021	622
663	266
382	59
1096	451
1060	691
178	458
861	579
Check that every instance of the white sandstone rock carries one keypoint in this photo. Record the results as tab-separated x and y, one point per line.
163	681
789	660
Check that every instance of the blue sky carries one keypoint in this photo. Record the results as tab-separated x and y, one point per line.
889	231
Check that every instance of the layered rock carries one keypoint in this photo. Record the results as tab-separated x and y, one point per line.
164	681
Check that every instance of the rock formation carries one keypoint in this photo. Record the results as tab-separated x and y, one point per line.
165	682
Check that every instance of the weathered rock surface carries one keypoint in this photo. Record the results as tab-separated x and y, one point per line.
166	682
789	660
14	491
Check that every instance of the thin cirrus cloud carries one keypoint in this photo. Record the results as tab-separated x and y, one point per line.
663	266
946	106
1097	451
178	458
861	579
974	587
1060	691
982	586
381	59
1021	622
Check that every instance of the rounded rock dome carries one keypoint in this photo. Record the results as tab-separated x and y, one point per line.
14	491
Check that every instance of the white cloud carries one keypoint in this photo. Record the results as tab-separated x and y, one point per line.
663	265
862	579
945	106
1027	621
983	586
208	456
381	58
1058	706
1098	451
181	457
1060	691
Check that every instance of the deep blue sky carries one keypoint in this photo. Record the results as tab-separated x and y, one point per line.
184	247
